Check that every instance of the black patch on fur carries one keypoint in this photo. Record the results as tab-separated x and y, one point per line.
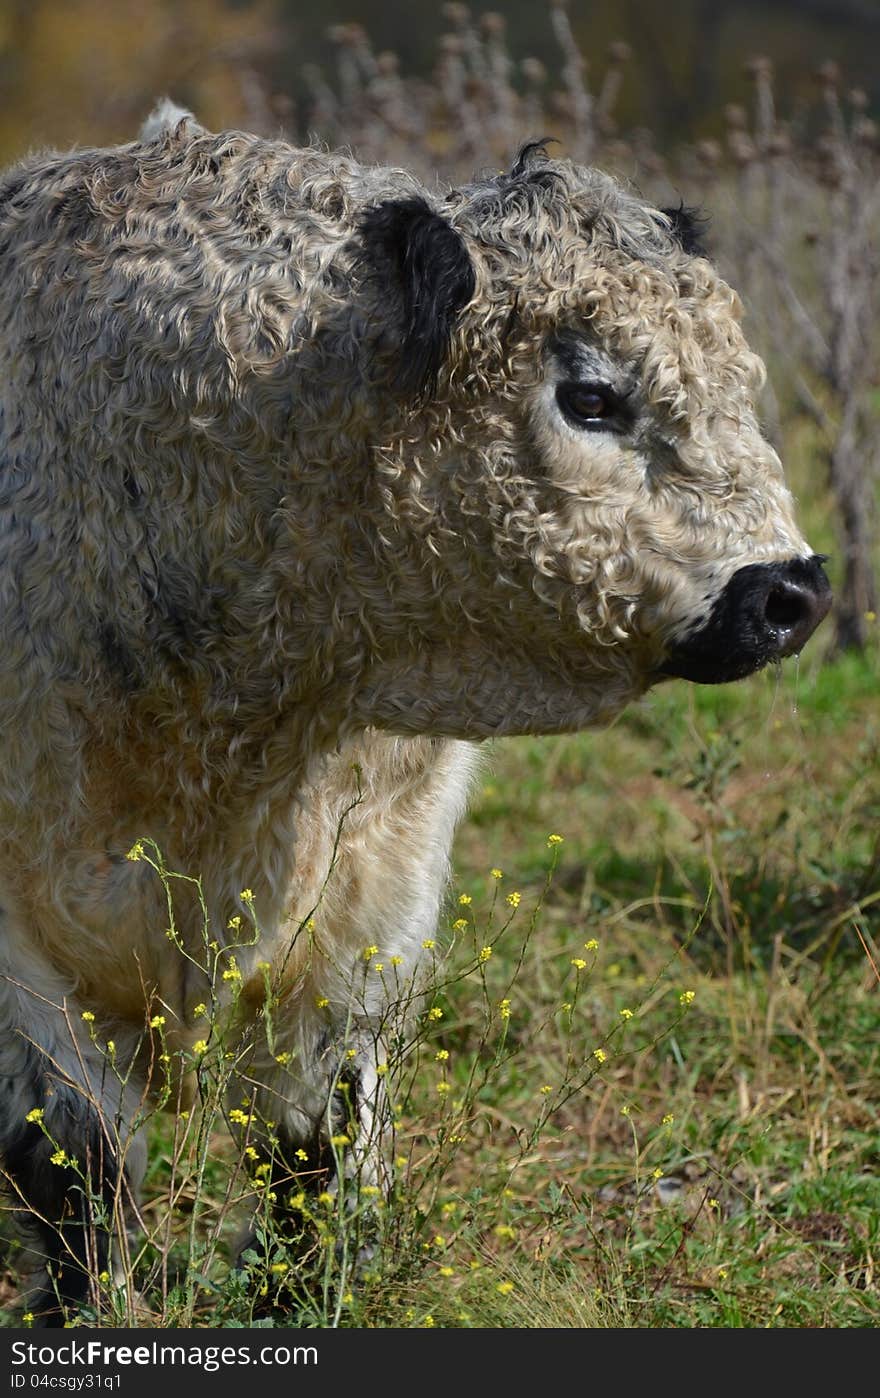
118	658
132	489
689	227
65	1209
416	256
185	611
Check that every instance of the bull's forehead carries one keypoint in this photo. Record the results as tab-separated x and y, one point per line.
680	325
570	260
674	321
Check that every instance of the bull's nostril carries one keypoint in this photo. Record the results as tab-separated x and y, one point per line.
786	608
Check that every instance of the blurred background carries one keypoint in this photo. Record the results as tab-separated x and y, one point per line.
87	70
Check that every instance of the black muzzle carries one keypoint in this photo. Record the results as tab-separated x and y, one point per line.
766	612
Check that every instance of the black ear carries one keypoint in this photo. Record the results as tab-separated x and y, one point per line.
421	262
689	227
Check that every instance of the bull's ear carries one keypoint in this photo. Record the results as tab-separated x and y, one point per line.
422	267
688	226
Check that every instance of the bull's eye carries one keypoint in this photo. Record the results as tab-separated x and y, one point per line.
588	404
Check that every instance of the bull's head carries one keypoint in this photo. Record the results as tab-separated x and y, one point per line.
580	465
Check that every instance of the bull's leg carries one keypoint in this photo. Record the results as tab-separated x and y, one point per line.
68	1160
331	1132
373	848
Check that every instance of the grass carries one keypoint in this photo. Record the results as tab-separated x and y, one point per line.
724	841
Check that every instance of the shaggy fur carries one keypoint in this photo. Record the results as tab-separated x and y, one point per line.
293	509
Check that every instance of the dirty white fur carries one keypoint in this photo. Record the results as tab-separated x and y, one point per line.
258	600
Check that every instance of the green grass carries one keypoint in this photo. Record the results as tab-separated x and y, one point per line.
726	841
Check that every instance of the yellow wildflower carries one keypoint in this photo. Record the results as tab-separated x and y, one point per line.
232	973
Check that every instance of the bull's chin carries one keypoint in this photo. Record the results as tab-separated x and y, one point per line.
714	669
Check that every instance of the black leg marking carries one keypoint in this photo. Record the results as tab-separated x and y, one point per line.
67	1200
